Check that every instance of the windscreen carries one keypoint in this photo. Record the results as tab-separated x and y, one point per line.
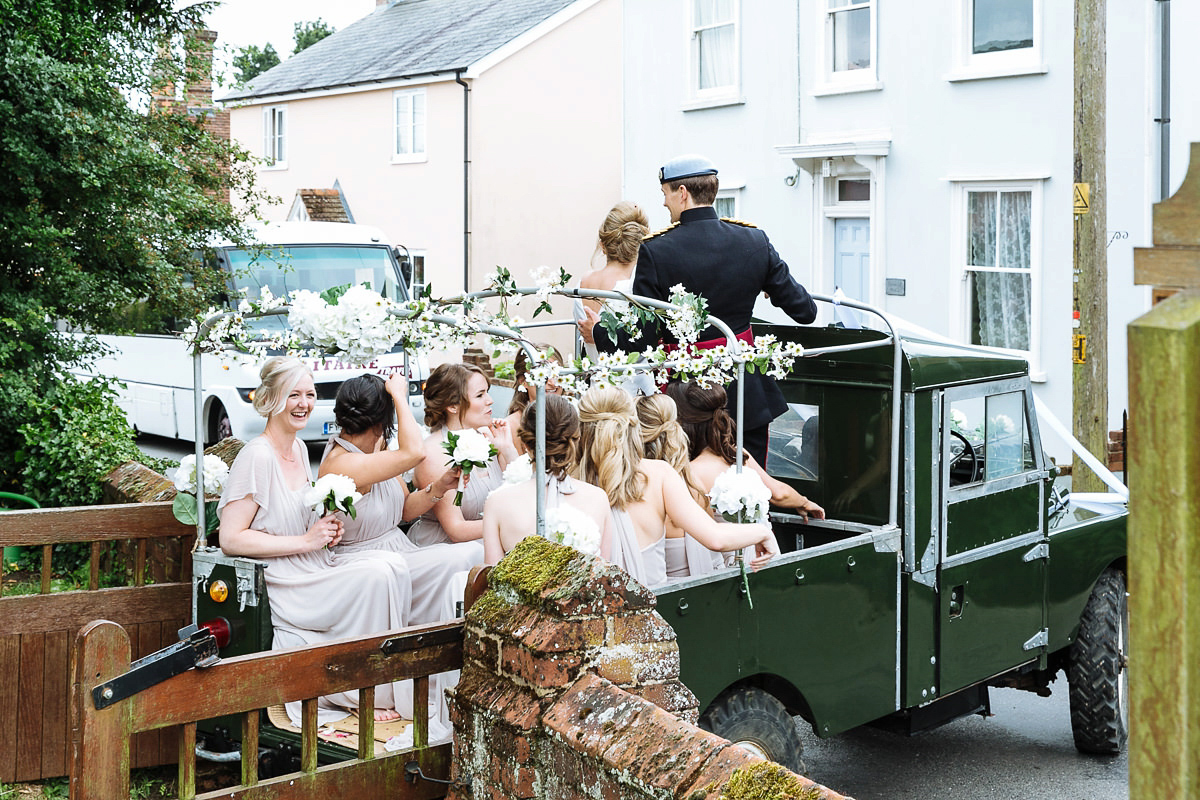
312	267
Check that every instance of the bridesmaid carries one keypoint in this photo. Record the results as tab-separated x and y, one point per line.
645	493
315	594
456	399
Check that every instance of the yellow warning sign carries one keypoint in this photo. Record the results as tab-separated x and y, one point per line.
1081	198
1079	348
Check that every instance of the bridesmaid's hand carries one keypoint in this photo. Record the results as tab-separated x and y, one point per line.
766	549
325	532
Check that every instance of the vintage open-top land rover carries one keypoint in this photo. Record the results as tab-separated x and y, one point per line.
949	563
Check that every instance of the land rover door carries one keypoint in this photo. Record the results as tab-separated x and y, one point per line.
992	534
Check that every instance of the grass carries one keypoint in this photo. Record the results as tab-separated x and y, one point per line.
144	784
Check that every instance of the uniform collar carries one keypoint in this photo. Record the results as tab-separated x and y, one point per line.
696	214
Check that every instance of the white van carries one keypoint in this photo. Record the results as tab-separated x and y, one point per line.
157	370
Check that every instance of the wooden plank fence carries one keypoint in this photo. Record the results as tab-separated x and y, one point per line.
36	631
100	746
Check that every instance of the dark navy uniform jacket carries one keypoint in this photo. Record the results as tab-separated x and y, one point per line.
729	265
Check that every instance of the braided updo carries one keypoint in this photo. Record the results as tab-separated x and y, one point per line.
611	445
622	232
362	403
562	434
704	420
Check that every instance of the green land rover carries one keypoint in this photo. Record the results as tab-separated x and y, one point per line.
948	563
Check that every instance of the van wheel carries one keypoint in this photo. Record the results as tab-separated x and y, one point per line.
756	721
1098	671
220	426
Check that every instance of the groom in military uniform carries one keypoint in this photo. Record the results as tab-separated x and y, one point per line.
728	263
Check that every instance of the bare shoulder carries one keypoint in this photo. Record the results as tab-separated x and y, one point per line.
593	280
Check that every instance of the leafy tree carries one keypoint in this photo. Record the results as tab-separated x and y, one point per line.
252	61
306	34
104	199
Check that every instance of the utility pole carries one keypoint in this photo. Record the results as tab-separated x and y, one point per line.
1089	410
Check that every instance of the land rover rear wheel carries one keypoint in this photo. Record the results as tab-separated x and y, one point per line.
1098	676
756	721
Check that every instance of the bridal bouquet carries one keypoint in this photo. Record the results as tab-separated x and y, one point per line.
185	507
467	449
333	493
572	527
741	497
519	470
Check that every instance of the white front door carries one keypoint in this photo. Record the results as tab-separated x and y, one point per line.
852	260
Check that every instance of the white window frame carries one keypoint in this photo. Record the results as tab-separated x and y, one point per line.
960	271
274	150
974	66
406	98
829	80
736	196
729	94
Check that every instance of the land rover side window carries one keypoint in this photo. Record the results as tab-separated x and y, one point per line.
989	438
794	443
317	268
832	445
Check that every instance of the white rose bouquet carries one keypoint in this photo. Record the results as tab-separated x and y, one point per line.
333	493
467	449
572	527
741	497
519	470
186	505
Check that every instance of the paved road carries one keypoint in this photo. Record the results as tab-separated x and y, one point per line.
1024	750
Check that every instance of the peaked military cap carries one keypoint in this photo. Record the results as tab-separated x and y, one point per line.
688	166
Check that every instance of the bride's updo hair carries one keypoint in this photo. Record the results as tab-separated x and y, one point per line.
278	376
704	420
611	445
562	434
663	438
447	386
622	232
363	403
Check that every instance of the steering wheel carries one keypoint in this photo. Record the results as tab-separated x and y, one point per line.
968	451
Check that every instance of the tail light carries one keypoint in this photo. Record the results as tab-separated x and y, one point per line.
220	629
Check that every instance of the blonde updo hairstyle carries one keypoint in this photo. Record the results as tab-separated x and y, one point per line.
562	434
622	232
278	376
611	445
664	439
447	386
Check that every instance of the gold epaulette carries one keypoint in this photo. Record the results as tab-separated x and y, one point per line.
741	222
660	232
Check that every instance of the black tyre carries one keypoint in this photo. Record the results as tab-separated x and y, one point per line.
755	720
219	427
1098	674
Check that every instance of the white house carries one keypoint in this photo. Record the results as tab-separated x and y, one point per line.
918	158
456	126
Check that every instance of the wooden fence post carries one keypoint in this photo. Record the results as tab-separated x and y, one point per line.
99	756
1164	508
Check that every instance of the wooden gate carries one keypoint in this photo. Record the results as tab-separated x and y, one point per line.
36	631
100	743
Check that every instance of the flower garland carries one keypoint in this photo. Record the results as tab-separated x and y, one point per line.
357	325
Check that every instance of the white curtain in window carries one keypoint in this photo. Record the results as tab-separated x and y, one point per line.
1003	300
716	46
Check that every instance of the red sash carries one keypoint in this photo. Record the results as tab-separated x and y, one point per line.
746	336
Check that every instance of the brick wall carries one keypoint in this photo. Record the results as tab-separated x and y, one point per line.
570	689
